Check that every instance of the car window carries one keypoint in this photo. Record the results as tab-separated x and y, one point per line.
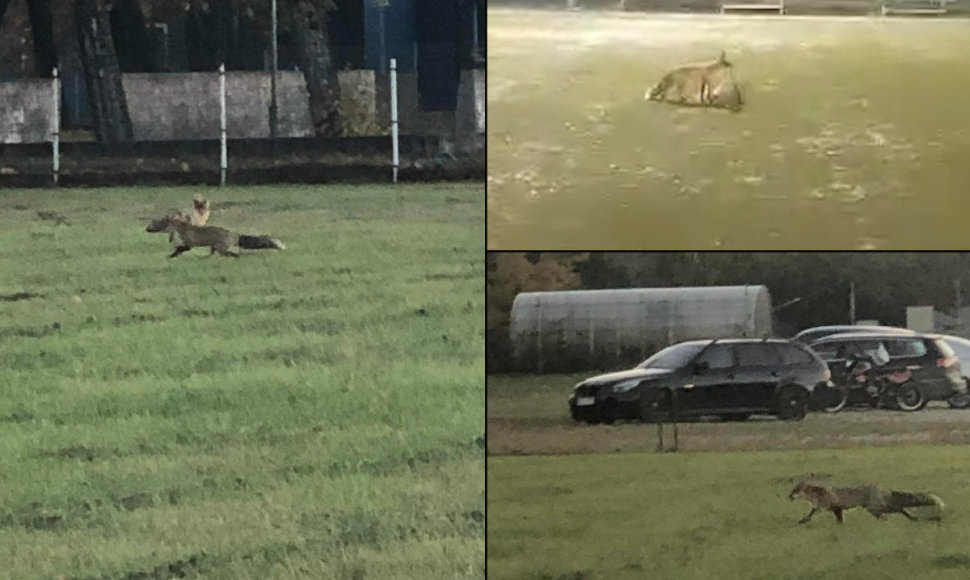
672	357
897	347
718	356
756	355
792	355
958	349
827	351
853	347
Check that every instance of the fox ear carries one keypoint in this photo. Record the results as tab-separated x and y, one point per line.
723	58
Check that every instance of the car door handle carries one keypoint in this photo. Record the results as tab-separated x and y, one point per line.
775	373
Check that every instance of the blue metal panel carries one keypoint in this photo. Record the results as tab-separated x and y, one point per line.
399	35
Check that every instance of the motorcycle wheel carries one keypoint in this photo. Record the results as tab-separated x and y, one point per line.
909	397
838	397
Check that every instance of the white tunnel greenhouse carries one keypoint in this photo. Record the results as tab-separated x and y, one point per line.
586	329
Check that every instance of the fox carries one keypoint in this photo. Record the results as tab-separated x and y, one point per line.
709	80
200	210
198	217
219	240
876	501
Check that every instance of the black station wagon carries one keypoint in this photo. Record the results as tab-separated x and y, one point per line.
732	379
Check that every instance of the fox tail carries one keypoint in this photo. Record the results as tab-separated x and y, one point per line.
933	504
260	243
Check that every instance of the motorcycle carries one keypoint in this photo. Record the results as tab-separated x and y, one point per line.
867	384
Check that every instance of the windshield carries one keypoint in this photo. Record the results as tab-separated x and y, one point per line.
673	357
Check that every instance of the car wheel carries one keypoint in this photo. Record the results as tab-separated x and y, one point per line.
608	411
959	400
735	416
909	397
792	403
835	399
655	405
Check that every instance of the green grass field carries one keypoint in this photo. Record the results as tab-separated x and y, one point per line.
719	515
310	413
851	137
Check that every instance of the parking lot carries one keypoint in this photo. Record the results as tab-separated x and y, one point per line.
528	415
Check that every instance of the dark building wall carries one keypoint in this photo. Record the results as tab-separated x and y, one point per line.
437	23
399	35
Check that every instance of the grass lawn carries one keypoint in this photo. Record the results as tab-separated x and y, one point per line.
308	413
720	515
851	137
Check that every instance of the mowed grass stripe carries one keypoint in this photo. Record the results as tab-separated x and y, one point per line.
285	415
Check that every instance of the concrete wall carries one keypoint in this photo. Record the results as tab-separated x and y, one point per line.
25	111
358	102
174	106
470	111
185	106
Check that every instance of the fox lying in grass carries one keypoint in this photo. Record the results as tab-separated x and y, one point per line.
710	84
217	239
876	501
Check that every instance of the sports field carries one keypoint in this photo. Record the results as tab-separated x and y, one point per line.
315	412
852	136
720	515
570	501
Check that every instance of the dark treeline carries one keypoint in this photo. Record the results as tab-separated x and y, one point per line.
885	282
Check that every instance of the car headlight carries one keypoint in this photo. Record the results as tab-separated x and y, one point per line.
625	386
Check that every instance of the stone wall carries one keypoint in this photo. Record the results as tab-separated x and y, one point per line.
177	106
25	111
185	106
470	111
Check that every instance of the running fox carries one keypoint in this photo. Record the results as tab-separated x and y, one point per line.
876	501
199	216
217	239
707	81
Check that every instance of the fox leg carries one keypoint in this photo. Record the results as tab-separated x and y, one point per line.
179	250
808	516
838	513
908	515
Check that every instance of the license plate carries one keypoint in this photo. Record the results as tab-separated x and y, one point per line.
585	401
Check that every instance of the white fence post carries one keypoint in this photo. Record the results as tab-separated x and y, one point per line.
222	124
394	151
56	124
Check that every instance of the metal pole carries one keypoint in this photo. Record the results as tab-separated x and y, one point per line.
394	150
851	302
222	124
474	31
380	14
56	125
273	111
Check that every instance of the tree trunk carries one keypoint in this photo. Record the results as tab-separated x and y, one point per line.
3	10
309	19
41	24
109	108
132	43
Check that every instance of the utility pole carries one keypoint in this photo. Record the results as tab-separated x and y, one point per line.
956	292
852	302
273	112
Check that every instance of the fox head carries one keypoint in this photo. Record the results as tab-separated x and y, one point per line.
200	202
163	224
803	489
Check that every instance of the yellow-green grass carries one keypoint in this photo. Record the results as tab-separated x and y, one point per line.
307	413
720	515
851	137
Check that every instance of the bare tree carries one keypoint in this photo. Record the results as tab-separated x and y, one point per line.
109	107
308	21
